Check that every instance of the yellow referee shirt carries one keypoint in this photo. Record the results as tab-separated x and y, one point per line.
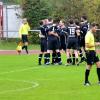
24	29
89	39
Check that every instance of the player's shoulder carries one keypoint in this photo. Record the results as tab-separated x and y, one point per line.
71	26
88	34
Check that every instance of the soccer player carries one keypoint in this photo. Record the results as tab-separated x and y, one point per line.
91	53
77	23
63	35
23	34
43	42
48	25
53	43
72	42
84	27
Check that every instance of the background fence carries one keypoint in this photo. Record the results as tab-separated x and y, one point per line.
11	21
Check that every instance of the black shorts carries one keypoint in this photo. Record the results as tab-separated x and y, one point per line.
91	57
43	44
24	38
53	43
62	46
72	43
79	42
82	42
62	43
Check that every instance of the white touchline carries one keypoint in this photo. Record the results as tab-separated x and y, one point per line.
34	85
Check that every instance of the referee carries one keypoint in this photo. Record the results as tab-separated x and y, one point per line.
23	33
91	53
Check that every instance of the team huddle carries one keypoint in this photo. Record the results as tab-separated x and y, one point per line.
56	36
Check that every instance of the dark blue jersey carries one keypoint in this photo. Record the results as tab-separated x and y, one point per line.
62	31
71	29
43	30
47	28
53	29
84	28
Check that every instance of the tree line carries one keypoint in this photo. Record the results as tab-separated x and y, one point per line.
35	10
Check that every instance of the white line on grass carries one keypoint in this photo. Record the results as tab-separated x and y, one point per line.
20	70
34	85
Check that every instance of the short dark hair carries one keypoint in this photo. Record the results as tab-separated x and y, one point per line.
84	17
56	20
41	22
71	21
77	22
94	24
50	19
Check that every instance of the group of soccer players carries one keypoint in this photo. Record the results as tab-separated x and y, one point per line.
57	35
73	38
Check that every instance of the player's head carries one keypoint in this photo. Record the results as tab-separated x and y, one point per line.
50	20
71	21
62	22
46	21
94	27
77	22
24	20
41	22
83	18
56	21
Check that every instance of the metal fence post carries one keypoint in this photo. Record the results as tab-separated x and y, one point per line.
6	22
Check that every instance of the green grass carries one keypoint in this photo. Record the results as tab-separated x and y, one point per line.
55	82
11	45
5	45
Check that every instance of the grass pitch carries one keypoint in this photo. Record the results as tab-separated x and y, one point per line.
22	79
6	45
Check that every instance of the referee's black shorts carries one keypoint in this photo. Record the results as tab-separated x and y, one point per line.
24	38
91	57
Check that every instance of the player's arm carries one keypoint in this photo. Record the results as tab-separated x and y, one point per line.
20	32
40	34
53	33
50	32
97	44
65	31
28	27
78	32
